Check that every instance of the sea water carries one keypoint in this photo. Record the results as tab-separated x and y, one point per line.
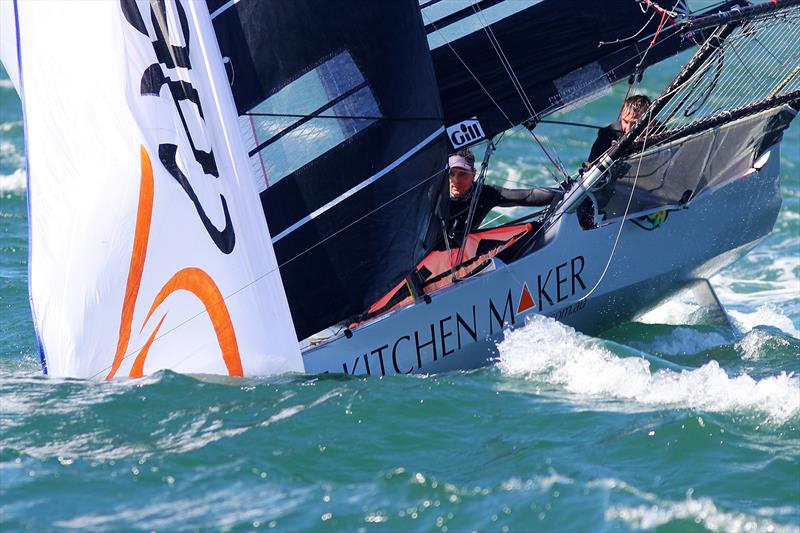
663	423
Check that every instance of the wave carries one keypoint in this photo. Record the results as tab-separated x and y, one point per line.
547	351
701	511
7	127
761	341
678	310
682	309
765	315
12	153
16	182
685	340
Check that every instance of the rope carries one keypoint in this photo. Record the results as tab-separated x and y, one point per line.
664	15
621	223
634	36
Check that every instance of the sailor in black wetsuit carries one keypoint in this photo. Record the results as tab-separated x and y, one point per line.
632	109
462	178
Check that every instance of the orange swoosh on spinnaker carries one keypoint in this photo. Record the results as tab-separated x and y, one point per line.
201	285
192	279
137	369
144	215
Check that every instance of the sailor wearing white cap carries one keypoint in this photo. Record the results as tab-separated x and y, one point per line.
462	178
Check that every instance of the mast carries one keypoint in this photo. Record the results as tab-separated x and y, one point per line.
735	15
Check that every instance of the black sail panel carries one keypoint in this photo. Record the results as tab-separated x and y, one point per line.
486	53
341	115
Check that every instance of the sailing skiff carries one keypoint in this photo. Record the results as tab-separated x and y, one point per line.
210	182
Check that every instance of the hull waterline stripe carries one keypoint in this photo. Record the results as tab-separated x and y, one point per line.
314	214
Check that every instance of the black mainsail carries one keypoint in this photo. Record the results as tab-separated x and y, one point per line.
345	118
504	62
341	112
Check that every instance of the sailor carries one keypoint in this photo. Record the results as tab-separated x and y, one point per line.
462	179
632	110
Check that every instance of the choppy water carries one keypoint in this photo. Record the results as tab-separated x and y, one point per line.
662	423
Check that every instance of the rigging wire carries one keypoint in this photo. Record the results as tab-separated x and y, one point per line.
474	77
621	220
344	117
556	161
487	28
525	101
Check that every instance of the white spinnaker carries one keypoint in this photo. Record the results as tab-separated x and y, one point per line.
109	242
8	41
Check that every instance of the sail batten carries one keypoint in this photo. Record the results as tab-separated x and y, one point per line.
372	179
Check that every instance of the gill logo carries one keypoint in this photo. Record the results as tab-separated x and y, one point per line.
465	132
193	280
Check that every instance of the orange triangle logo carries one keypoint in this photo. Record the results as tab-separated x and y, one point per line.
525	300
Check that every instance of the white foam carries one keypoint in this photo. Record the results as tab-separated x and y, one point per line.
680	309
5	127
700	511
748	287
751	346
675	311
11	155
766	315
16	182
686	341
546	350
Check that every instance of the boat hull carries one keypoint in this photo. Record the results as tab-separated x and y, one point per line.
461	325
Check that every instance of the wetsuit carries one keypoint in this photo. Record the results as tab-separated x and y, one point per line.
605	138
491	196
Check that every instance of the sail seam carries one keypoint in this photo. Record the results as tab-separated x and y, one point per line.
317	212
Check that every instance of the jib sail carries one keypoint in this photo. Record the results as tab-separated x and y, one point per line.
341	115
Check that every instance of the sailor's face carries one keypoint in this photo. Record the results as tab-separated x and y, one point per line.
460	181
627	119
